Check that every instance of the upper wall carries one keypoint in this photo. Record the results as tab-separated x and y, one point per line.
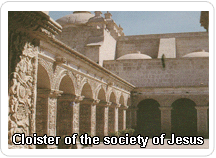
78	37
150	72
186	45
149	44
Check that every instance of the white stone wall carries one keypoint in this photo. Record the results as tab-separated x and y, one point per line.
150	73
108	48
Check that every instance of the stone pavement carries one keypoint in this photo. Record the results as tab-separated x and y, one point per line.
151	146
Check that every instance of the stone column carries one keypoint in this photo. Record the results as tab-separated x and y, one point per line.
76	107
111	119
116	118
166	120
93	117
102	118
202	120
134	117
120	118
42	114
124	118
128	118
52	113
88	118
106	118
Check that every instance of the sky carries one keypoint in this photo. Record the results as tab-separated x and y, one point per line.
150	22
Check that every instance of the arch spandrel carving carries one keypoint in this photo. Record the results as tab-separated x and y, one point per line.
80	82
48	67
94	85
126	98
118	96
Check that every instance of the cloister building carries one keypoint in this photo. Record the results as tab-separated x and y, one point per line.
81	74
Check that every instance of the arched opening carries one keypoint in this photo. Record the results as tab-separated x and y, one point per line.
64	122
43	87
100	111
184	118
85	110
148	118
43	81
120	113
87	91
111	121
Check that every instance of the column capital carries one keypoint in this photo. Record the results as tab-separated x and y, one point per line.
55	93
118	105
78	98
104	103
124	107
113	104
109	104
90	101
96	101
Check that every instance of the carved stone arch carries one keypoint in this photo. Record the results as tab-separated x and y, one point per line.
139	99
105	90
61	75
94	86
118	95
98	89
126	98
47	68
121	99
81	81
108	90
111	95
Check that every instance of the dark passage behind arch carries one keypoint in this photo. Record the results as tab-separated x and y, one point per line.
184	118
148	118
43	86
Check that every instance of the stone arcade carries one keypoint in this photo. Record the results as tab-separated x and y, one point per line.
81	74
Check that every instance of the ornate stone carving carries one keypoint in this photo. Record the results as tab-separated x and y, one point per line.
52	104
22	93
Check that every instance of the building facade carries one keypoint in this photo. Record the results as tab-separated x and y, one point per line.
81	74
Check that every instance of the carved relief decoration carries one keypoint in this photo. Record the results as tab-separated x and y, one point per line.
52	104
22	93
81	80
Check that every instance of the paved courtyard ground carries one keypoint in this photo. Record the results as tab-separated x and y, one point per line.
151	146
